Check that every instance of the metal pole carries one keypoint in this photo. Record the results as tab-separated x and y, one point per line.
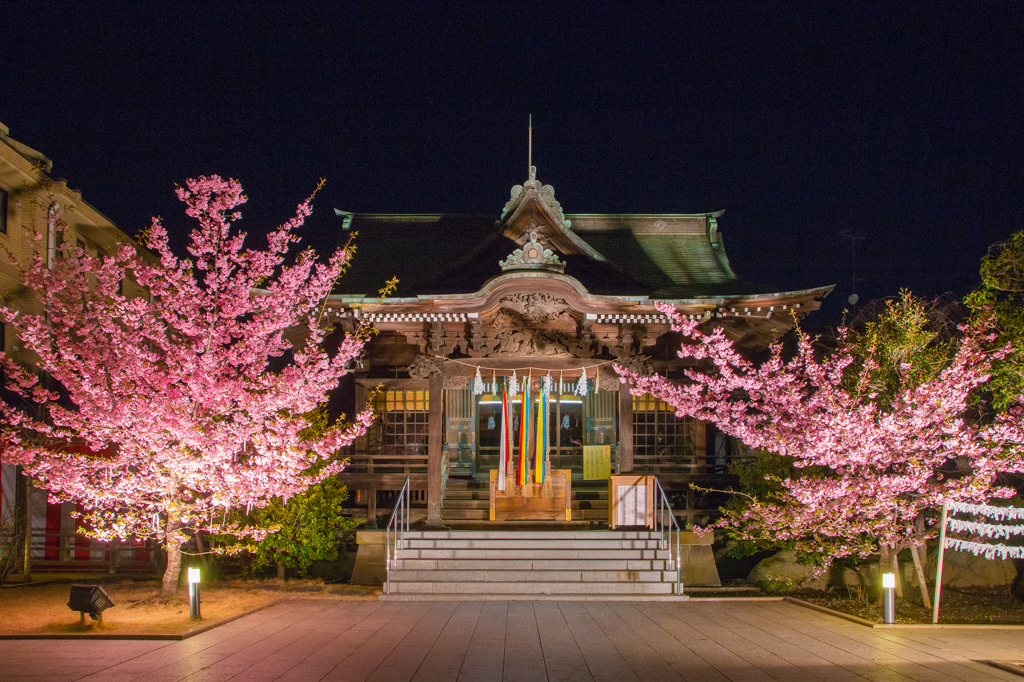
889	609
938	563
193	601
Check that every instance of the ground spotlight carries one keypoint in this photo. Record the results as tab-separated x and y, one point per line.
91	599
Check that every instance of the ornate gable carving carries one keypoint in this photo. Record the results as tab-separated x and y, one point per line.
528	325
538	308
533	256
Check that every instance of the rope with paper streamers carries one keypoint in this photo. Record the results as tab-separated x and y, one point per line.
989	551
985	530
977	528
1001	513
516	372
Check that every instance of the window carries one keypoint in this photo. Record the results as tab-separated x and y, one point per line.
400	440
3	211
663	442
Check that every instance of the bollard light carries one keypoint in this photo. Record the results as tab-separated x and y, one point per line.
193	593
889	598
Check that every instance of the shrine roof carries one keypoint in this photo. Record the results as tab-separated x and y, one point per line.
666	256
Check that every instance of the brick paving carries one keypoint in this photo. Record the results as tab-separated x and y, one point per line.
529	641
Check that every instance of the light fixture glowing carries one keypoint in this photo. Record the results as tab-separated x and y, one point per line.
888	580
193	575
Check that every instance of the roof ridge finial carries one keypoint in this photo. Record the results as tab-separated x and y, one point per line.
529	153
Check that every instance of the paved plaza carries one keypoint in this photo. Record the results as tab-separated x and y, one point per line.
529	641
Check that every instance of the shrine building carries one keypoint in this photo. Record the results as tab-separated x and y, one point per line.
554	300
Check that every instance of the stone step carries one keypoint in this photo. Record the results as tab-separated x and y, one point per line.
570	576
534	564
462	500
535	554
561	588
489	596
471	494
464	514
484	514
528	544
533	535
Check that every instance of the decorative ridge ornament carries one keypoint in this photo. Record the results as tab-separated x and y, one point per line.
546	193
533	256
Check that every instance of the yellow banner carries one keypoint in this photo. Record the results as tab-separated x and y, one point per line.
597	462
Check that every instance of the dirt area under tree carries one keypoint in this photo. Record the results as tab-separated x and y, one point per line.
42	609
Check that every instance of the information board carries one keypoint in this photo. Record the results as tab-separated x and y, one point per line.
597	462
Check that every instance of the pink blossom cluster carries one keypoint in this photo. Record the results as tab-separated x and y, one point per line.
881	467
174	385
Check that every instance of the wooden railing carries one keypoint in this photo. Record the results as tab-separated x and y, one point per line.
668	462
384	462
69	551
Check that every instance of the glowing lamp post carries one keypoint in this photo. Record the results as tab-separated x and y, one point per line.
889	598
193	593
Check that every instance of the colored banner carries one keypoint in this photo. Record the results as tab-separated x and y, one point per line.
541	457
503	452
522	476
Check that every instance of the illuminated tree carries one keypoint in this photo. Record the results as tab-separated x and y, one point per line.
193	396
881	461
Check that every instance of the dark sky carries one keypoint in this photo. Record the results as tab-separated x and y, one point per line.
900	121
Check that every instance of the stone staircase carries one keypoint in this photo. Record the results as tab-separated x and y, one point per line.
466	500
532	565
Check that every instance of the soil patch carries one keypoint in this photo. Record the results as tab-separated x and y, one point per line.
960	606
138	610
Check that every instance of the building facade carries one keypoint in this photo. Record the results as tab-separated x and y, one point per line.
29	194
551	299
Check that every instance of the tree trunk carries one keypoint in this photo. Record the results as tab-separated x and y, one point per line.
919	569
201	550
280	571
896	571
170	583
884	561
920	553
173	541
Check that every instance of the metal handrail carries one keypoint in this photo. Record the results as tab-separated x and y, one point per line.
401	515
661	506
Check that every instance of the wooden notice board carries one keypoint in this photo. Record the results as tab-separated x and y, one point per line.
630	500
551	501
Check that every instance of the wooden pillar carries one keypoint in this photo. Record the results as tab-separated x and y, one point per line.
625	429
434	437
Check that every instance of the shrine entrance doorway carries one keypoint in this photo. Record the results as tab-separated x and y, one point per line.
573	422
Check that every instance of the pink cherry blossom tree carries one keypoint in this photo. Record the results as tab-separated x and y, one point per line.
192	399
880	467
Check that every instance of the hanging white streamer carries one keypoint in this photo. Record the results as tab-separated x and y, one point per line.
988	530
547	382
989	551
1001	513
581	387
478	383
513	387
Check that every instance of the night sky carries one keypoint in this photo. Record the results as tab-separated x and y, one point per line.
898	121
